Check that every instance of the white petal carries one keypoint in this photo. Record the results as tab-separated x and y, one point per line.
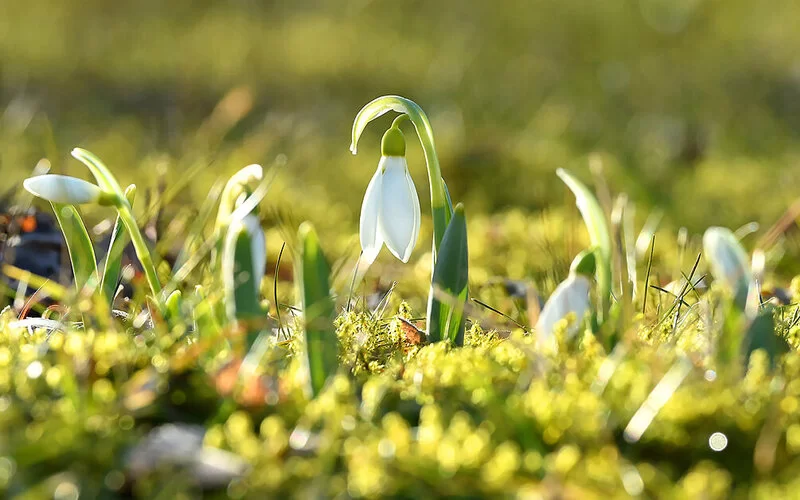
368	232
248	175
727	258
571	296
63	189
399	220
417	217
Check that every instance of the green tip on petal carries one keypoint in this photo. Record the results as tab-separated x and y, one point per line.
585	263
393	143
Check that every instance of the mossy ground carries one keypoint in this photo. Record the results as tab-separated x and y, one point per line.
499	417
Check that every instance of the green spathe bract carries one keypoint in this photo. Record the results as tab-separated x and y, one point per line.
448	295
313	289
596	224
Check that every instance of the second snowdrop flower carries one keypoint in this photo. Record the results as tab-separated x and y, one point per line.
390	212
66	190
569	297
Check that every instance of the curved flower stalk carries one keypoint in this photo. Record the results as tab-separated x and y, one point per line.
116	197
390	213
599	234
441	207
242	182
571	296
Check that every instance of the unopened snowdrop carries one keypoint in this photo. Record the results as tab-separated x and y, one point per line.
571	296
66	190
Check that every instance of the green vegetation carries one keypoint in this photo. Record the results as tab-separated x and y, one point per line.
528	348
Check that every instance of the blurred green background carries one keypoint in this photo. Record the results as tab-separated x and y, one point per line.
691	105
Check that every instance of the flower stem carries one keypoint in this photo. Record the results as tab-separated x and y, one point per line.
140	246
441	209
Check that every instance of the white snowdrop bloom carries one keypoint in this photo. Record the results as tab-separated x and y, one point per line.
64	189
727	259
390	213
570	296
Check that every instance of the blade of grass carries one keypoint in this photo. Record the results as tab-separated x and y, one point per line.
79	245
451	276
321	344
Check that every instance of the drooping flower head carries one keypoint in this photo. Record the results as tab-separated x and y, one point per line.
571	296
66	190
390	213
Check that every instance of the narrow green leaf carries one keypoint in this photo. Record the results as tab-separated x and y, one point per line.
312	275
203	313
79	245
448	294
596	224
241	277
107	181
116	246
173	304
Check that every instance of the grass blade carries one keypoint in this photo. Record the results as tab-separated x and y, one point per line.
446	319
243	265
321	344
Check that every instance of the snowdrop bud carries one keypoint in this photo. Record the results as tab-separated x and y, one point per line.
66	190
585	263
237	185
571	296
727	259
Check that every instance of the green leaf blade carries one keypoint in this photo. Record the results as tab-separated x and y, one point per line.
79	245
321	343
448	294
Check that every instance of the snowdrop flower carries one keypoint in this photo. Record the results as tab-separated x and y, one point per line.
570	296
727	259
239	183
66	190
390	212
